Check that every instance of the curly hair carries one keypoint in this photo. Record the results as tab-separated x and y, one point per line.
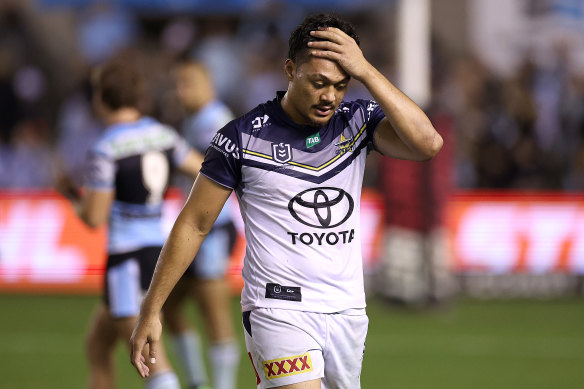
301	35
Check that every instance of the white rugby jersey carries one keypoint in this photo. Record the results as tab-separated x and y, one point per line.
299	191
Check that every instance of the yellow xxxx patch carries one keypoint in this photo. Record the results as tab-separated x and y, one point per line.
287	366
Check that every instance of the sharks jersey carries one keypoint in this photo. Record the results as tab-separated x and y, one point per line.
299	190
135	160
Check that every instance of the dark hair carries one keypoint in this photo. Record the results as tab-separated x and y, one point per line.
301	35
119	85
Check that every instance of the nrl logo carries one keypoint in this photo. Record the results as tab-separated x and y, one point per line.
281	152
344	145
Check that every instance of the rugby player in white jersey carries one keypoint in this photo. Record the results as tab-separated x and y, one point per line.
296	164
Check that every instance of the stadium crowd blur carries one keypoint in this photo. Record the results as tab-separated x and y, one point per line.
524	131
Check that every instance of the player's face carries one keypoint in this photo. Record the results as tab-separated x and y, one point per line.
189	86
316	88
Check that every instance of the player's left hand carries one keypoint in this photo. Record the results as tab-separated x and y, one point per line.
341	48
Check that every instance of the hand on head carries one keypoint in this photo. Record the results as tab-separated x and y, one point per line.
341	48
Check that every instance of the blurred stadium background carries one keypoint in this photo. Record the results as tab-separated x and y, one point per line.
502	79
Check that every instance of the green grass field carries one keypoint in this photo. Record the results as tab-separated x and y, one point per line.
475	344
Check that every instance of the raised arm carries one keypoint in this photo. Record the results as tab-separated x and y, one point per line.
190	229
406	132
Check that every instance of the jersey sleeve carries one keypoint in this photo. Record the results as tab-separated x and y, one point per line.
222	162
100	173
372	113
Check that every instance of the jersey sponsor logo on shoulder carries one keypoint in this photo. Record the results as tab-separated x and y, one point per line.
259	122
225	145
281	152
287	366
370	108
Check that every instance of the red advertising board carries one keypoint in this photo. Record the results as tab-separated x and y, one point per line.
511	232
45	248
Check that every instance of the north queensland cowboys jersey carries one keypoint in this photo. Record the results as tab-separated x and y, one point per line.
135	159
299	190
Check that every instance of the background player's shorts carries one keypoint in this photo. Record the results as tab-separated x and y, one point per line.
127	276
212	258
287	347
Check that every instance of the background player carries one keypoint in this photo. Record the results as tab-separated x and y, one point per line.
205	279
127	177
297	164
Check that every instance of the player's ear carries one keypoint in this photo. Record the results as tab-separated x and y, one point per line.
290	69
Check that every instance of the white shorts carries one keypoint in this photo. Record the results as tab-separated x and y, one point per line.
287	347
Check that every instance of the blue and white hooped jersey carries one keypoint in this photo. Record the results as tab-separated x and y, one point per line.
135	160
299	191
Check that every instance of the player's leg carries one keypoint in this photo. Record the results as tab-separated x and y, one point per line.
185	340
212	292
100	344
343	356
401	278
214	301
102	336
442	284
214	298
128	275
314	384
174	320
285	347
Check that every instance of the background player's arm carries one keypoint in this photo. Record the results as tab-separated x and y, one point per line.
92	206
190	229
192	164
406	132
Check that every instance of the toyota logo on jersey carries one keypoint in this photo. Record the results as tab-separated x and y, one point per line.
325	207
